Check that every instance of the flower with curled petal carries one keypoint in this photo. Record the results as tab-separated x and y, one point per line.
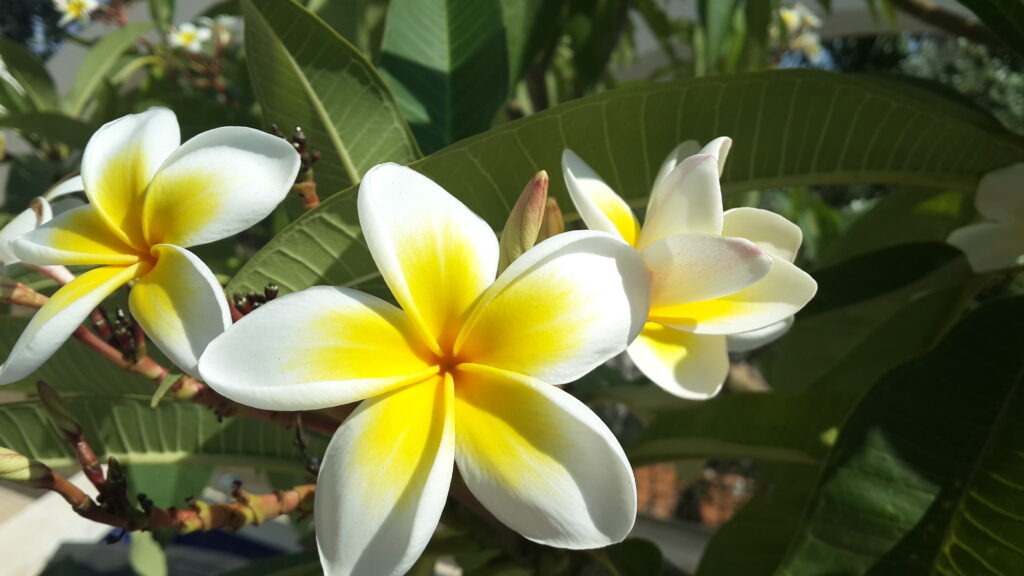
713	273
461	375
39	212
150	198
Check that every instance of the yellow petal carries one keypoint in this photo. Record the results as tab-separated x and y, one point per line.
541	461
599	206
79	236
692	366
384	481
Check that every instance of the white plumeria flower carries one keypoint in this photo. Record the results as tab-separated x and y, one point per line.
38	213
713	274
461	374
189	37
150	198
998	242
72	10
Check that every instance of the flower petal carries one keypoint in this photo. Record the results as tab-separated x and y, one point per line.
218	184
691	202
384	481
69	186
435	254
563	308
120	160
59	317
694	267
540	461
719	148
780	294
692	366
180	306
1001	194
76	237
772	232
991	246
599	206
25	222
677	155
747	341
317	348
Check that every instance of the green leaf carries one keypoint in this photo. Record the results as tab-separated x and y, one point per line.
31	74
301	564
1004	17
101	61
716	20
794	127
162	389
361	22
531	26
447	64
52	126
146	556
925	477
634	557
305	75
594	28
161	11
168	485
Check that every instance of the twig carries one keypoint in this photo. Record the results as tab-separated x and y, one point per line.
968	27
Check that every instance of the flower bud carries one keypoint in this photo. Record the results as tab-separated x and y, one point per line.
22	470
526	220
553	223
58	411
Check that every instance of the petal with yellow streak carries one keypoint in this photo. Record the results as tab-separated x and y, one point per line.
384	481
691	366
76	237
318	348
540	460
599	206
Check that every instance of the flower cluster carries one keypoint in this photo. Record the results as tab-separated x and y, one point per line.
801	31
462	373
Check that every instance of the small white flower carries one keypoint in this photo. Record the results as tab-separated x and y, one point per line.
189	37
998	242
72	10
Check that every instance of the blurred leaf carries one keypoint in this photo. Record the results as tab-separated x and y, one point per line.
757	15
301	564
51	126
101	62
594	28
446	62
634	557
925	476
716	19
146	556
361	22
168	485
1004	17
162	12
31	74
789	127
305	75
530	27
30	176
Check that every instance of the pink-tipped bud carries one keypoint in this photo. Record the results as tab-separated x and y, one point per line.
526	220
553	221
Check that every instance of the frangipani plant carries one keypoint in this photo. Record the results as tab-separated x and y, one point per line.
462	374
998	242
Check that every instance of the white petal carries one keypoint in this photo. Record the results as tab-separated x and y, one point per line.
180	305
54	323
540	461
26	221
599	206
691	366
120	160
777	296
218	184
1001	194
991	246
435	254
772	232
69	186
561	309
691	202
747	341
384	481
719	148
317	348
694	267
677	155
78	236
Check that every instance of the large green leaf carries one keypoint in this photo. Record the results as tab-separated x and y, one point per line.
926	476
361	22
447	64
305	75
51	126
30	73
101	61
1004	17
789	127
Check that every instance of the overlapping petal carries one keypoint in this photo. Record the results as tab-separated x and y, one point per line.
26	221
69	186
79	236
314	349
118	163
694	267
1000	196
59	317
746	341
691	203
541	461
216	185
677	155
780	294
599	206
684	364
991	246
772	232
435	254
384	480
561	309
180	305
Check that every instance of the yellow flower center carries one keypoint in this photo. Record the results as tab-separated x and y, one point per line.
187	37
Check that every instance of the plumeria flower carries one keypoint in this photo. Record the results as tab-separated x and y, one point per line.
713	274
150	198
998	242
461	375
189	37
72	10
38	213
